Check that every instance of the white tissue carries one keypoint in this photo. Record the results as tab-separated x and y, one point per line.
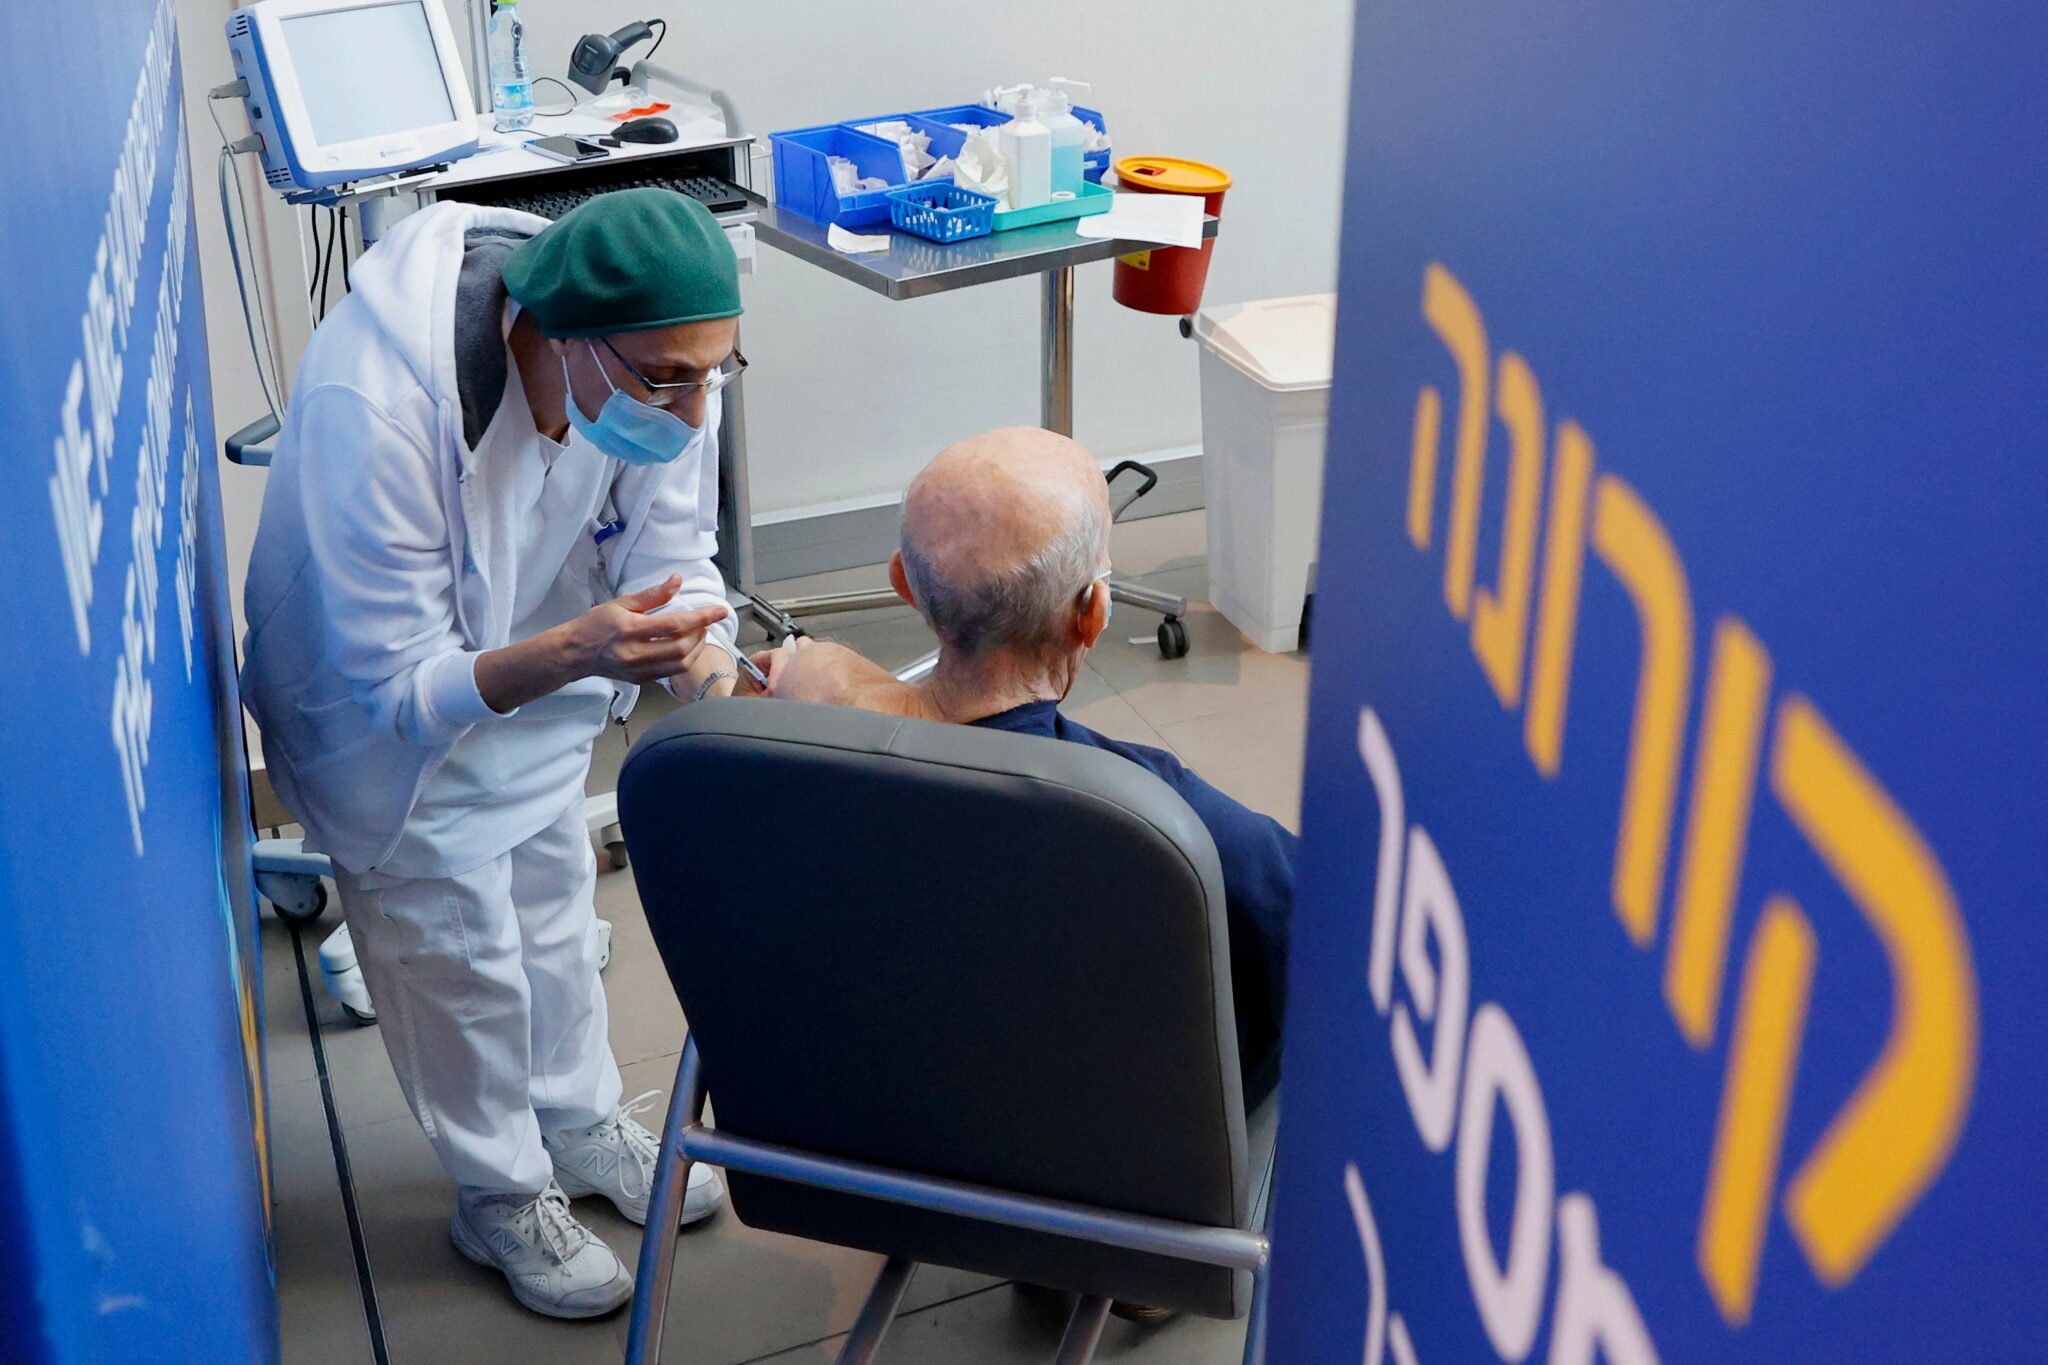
980	165
942	169
846	177
912	146
855	243
1094	139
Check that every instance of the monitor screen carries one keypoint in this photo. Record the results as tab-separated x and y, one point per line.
368	71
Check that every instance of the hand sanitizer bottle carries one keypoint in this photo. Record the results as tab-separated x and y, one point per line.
1069	135
1027	152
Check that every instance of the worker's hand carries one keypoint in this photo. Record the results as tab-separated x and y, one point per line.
746	686
630	639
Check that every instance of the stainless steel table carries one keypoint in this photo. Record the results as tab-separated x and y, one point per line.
913	268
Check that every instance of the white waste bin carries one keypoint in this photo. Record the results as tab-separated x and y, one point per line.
1265	413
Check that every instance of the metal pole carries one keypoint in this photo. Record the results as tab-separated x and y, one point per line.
735	494
1084	1330
865	1340
664	1214
1236	1248
1255	1328
480	54
1056	337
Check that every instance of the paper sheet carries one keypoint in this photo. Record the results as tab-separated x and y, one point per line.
1168	219
855	243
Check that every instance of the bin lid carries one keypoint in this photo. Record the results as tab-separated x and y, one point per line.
1284	344
1171	175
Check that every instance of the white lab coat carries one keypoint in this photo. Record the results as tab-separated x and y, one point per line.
377	573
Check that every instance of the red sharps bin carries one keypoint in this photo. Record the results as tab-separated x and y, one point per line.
1167	279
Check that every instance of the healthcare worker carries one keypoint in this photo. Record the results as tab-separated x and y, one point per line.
491	516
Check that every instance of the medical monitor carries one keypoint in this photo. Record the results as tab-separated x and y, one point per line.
343	90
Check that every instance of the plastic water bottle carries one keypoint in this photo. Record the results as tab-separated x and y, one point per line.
511	79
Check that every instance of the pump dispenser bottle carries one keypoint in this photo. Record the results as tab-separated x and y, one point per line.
1069	135
1027	153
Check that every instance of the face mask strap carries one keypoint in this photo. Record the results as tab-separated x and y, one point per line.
598	361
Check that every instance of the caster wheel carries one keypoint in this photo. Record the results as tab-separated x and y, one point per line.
615	854
302	909
1173	638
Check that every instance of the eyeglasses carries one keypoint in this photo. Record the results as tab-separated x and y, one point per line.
668	395
1088	593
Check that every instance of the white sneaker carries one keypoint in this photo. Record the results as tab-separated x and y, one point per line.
344	978
616	1159
554	1264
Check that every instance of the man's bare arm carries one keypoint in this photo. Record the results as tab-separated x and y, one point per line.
820	671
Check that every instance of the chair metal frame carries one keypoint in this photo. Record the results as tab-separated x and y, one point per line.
685	1140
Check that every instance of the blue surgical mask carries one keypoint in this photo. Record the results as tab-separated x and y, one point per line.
626	428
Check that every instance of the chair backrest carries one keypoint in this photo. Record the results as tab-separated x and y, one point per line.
988	957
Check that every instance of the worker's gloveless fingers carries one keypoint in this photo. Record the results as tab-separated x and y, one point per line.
672	624
647	599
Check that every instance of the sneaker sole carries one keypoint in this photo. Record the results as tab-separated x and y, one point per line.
466	1243
576	1188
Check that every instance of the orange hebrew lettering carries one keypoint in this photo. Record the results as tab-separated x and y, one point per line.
1557	615
1500	624
1770	1023
1633	543
1881	1152
1716	828
1450	310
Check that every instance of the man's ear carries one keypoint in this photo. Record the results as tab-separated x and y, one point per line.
1093	619
900	580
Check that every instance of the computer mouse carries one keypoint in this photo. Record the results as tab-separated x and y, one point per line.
647	130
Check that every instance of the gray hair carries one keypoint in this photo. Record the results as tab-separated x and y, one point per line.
1021	607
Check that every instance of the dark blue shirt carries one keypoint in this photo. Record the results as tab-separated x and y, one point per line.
1257	854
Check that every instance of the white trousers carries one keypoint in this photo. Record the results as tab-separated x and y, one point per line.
490	1004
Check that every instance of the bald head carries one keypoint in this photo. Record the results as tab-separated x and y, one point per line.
1003	534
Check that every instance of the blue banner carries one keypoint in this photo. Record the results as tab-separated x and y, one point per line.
133	1157
1668	974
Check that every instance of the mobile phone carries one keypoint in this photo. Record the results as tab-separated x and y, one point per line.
572	150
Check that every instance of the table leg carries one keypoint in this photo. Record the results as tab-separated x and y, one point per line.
1056	335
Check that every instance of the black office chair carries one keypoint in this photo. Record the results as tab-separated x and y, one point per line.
963	998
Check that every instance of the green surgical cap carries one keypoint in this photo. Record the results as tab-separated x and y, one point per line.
625	261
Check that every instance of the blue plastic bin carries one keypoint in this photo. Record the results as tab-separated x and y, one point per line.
942	211
803	173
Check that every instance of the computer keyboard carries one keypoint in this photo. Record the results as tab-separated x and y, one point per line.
720	196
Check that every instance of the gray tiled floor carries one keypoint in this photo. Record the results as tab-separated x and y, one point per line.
1233	714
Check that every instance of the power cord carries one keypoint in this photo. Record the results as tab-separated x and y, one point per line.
313	288
568	108
265	354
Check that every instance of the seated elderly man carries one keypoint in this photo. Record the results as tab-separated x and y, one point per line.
1006	555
